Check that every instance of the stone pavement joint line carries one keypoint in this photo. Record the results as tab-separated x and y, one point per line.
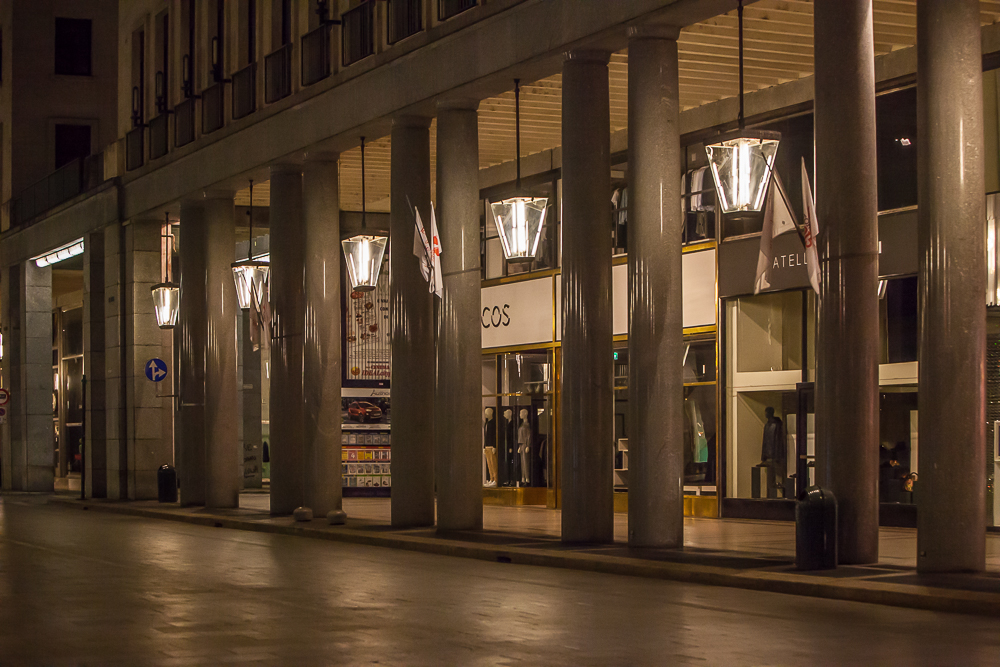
970	594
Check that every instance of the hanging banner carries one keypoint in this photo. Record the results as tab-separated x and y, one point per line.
367	354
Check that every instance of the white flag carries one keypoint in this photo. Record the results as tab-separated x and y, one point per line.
811	230
421	248
437	284
778	219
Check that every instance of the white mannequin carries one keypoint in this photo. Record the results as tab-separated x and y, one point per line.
490	449
524	445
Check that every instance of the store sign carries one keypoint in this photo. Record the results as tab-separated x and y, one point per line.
517	313
698	280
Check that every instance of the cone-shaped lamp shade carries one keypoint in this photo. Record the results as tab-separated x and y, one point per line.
519	222
364	253
251	278
741	166
166	304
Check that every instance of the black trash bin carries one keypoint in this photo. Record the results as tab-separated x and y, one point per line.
166	484
816	530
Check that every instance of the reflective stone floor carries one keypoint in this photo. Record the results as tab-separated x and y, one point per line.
94	588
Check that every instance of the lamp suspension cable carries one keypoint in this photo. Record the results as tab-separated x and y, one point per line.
164	252
363	183
739	14
517	131
250	214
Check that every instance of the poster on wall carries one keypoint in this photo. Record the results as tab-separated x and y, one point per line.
367	355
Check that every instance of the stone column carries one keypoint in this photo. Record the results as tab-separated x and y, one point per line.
94	332
193	325
587	395
287	247
847	411
457	452
27	373
411	315
222	460
951	500
321	379
656	324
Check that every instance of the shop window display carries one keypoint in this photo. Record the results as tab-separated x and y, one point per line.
517	419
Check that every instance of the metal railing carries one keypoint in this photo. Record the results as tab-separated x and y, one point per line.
66	182
212	106
278	74
449	8
184	122
158	140
358	33
404	18
245	91
316	55
135	148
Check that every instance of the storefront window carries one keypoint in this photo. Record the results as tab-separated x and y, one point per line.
896	146
769	332
518	419
898	320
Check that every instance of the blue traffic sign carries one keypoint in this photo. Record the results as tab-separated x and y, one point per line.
156	369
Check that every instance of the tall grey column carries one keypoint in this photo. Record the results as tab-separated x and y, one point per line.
656	324
287	283
457	452
193	323
94	363
222	457
951	508
411	316
587	391
322	339
208	395
847	412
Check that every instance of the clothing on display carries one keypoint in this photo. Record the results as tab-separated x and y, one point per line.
509	449
489	446
774	452
524	446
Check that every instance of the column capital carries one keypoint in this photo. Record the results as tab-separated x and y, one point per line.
654	31
588	55
459	103
409	120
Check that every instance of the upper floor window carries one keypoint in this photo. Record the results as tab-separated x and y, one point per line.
73	47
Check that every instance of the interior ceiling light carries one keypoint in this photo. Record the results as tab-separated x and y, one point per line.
251	275
519	219
71	249
364	250
166	294
742	161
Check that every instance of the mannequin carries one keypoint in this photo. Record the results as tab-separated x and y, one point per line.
490	446
509	438
773	453
524	446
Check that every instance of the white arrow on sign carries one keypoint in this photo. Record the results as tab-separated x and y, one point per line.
154	370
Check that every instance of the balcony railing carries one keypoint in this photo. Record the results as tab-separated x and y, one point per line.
358	32
134	148
63	184
404	18
449	8
184	122
278	74
212	108
158	145
245	91
315	55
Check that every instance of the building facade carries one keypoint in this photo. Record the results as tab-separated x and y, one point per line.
633	365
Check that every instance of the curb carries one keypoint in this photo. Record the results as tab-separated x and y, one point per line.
790	583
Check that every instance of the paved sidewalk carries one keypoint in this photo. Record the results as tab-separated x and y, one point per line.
753	555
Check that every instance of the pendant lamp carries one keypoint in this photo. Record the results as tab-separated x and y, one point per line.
167	294
364	250
742	161
519	219
250	275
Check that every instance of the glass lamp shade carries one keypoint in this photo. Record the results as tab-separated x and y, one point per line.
251	279
166	304
741	166
364	253
519	222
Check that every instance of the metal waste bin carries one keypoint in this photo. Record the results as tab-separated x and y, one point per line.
816	530
166	484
